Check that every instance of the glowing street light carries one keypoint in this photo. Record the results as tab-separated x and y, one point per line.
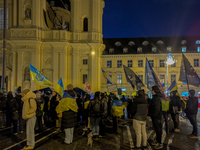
93	52
169	61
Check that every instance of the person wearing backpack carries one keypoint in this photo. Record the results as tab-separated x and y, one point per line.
29	114
95	111
39	112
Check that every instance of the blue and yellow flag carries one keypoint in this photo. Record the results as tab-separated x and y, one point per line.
67	103
173	86
60	88
107	76
38	77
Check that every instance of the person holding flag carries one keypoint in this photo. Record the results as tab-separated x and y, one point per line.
69	109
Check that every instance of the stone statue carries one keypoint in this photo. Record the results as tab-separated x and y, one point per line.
65	25
28	13
57	24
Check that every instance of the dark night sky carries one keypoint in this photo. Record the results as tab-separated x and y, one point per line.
151	18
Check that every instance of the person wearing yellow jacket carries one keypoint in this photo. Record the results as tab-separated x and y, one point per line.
29	114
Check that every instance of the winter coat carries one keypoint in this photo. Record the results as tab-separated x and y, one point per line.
52	103
155	106
20	103
92	104
192	106
30	106
46	101
2	102
39	102
139	108
105	105
69	118
11	104
174	101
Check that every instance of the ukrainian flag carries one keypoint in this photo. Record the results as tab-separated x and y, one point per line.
107	76
67	103
38	77
60	88
173	86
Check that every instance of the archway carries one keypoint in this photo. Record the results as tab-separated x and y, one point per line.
198	94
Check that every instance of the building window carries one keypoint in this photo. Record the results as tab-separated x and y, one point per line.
151	63
118	43
140	77
173	65
119	63
160	42
196	80
130	63
140	63
183	42
84	78
169	48
2	18
173	77
139	49
198	42
109	64
198	49
85	62
111	50
184	49
85	24
119	79
125	50
108	81
162	79
145	43
154	49
162	63
196	62
131	43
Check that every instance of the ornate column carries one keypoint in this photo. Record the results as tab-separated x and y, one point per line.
14	13
20	13
75	10
19	68
55	69
33	62
75	67
62	67
13	75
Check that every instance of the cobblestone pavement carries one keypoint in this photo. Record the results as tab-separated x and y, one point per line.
124	139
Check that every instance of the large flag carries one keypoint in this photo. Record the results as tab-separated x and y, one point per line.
187	73
87	87
151	79
38	77
60	88
132	78
107	77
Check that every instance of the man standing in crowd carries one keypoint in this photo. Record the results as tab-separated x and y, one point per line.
139	113
2	109
155	111
29	114
191	112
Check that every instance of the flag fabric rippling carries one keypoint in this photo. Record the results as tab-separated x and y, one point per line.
60	88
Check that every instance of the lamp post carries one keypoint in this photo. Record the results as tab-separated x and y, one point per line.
169	61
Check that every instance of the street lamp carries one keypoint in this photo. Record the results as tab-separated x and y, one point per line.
169	61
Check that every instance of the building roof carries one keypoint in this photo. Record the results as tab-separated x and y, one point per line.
160	44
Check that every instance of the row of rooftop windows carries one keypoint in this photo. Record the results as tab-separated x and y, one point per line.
153	49
145	43
141	63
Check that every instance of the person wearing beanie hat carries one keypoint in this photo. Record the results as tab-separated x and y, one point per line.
29	114
191	113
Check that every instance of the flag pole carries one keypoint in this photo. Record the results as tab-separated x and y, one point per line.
185	72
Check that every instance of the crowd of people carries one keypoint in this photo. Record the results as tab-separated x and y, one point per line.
38	110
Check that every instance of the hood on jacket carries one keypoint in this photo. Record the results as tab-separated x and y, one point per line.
29	95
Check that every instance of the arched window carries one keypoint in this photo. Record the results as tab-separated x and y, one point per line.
118	43
160	42
131	43
183	42
85	24
145	43
185	94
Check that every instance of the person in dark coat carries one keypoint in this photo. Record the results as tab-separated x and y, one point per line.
20	103
46	109
12	109
2	110
191	113
69	117
53	108
175	109
155	111
139	113
102	125
39	112
80	107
